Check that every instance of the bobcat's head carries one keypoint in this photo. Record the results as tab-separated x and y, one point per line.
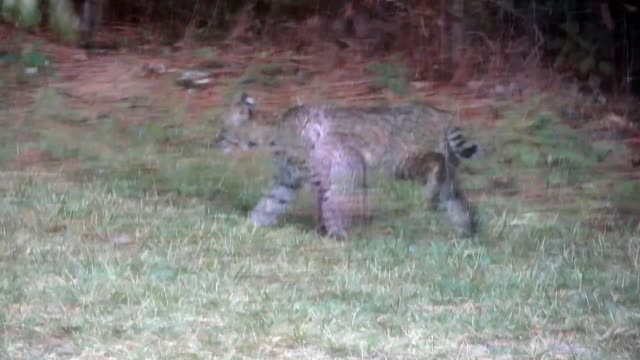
241	111
240	130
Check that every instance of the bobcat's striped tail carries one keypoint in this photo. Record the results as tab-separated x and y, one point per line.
458	145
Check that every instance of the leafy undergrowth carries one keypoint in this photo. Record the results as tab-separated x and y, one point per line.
123	235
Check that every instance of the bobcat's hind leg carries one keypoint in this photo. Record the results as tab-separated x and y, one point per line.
440	186
459	209
427	168
460	212
435	178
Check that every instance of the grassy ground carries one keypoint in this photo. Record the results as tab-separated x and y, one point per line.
123	235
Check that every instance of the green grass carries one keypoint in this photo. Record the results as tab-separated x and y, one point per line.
195	282
146	253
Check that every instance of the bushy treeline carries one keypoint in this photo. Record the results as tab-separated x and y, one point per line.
58	14
594	39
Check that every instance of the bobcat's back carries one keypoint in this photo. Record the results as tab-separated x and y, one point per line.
384	135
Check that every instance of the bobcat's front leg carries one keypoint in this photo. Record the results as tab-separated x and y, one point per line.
286	183
319	194
341	177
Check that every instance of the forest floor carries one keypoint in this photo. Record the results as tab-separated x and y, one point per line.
123	231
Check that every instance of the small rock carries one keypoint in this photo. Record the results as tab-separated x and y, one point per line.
194	79
56	228
422	84
154	68
103	115
100	172
80	57
64	350
474	84
31	70
121	239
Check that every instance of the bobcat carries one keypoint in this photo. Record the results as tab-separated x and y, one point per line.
335	147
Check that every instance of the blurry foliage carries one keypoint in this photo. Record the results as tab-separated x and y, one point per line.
22	62
207	57
577	40
577	37
209	17
574	34
22	12
63	19
267	75
391	75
